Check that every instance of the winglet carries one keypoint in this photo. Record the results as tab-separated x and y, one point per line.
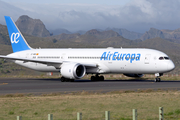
18	42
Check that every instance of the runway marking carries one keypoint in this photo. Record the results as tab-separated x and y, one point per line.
3	83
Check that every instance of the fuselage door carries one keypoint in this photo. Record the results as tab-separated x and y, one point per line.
63	56
147	58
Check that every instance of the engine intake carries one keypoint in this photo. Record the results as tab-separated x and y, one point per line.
73	71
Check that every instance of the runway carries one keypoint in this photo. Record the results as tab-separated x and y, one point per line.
39	86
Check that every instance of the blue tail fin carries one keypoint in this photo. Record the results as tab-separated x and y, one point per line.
18	42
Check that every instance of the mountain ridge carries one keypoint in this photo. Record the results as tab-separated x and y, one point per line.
31	26
165	34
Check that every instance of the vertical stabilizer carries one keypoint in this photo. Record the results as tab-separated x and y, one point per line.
18	42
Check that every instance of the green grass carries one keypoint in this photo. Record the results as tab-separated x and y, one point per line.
92	105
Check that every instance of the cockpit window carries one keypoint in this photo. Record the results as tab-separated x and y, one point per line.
161	58
166	58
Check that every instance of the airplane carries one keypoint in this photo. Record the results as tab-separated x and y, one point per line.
75	63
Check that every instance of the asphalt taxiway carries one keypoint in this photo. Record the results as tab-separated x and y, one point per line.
38	86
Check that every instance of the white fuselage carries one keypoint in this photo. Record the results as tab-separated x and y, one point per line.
110	60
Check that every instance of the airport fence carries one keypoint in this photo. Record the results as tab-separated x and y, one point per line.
107	115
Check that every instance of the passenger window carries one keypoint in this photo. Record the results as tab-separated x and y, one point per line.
161	58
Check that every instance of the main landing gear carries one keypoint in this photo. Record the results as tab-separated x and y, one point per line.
157	79
66	80
97	78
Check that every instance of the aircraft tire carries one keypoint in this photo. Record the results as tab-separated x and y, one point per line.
66	80
93	78
101	78
156	80
63	79
71	80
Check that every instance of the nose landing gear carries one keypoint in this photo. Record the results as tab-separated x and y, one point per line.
157	79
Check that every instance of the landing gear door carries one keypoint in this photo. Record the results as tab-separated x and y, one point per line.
147	58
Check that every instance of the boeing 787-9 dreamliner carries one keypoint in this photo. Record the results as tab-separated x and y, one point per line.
75	63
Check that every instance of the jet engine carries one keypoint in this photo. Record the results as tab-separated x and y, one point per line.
134	75
73	71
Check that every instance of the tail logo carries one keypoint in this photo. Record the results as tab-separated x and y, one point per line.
14	37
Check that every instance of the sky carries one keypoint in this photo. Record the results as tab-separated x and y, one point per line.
73	15
99	2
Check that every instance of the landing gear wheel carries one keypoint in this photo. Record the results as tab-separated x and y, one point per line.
63	79
71	80
66	80
93	78
157	80
97	78
101	78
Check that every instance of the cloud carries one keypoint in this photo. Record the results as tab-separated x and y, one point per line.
138	15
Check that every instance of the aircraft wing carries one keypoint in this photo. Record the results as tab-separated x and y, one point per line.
48	62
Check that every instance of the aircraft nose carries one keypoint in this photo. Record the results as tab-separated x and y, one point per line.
171	66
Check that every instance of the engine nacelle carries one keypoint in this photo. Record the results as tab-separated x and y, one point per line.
134	75
73	71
